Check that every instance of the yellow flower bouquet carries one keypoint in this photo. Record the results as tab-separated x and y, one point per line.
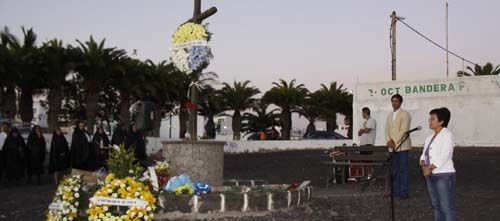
126	190
190	32
184	189
191	51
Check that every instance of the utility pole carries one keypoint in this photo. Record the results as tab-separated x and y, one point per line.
447	53
394	20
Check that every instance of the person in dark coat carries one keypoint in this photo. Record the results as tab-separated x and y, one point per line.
138	143
14	149
120	136
100	142
35	155
4	132
80	148
59	160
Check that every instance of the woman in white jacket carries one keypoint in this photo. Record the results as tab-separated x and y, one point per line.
437	166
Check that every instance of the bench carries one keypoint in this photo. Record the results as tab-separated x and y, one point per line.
345	156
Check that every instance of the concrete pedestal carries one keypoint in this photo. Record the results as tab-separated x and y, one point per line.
201	160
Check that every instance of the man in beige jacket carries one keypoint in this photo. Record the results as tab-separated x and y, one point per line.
397	124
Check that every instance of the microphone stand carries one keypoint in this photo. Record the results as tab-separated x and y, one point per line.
406	135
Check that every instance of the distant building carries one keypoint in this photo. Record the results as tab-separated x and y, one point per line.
473	101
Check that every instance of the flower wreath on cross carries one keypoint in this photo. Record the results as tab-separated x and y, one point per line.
191	51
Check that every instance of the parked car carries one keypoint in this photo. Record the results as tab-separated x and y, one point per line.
324	135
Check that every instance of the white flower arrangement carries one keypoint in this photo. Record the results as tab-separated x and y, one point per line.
191	51
65	204
116	147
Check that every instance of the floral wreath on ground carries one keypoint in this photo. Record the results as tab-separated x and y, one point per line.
65	204
126	188
190	47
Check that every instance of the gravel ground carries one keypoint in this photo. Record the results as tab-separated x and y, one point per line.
478	189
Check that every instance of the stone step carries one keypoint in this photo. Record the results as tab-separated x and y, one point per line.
237	182
222	202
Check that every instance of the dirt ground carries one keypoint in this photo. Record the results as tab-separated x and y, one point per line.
477	194
478	188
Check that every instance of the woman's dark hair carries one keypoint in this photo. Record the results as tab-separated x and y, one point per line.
33	130
366	110
398	96
131	127
54	133
14	130
443	115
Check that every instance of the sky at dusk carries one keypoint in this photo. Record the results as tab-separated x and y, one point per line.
312	41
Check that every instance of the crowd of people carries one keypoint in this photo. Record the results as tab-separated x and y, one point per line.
22	158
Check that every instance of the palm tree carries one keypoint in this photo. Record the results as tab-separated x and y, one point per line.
287	96
197	78
334	99
191	84
180	92
127	81
210	104
109	105
238	98
487	69
58	61
260	120
3	67
73	105
346	107
162	83
311	110
96	64
7	71
26	67
182	98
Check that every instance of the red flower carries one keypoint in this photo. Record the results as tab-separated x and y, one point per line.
189	105
292	187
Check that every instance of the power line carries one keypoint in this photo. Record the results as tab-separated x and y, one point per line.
436	44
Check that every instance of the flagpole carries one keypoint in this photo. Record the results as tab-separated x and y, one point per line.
447	53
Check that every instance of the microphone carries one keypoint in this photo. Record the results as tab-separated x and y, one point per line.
413	130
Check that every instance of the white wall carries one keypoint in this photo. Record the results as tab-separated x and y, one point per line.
281	145
474	103
154	145
40	113
165	125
